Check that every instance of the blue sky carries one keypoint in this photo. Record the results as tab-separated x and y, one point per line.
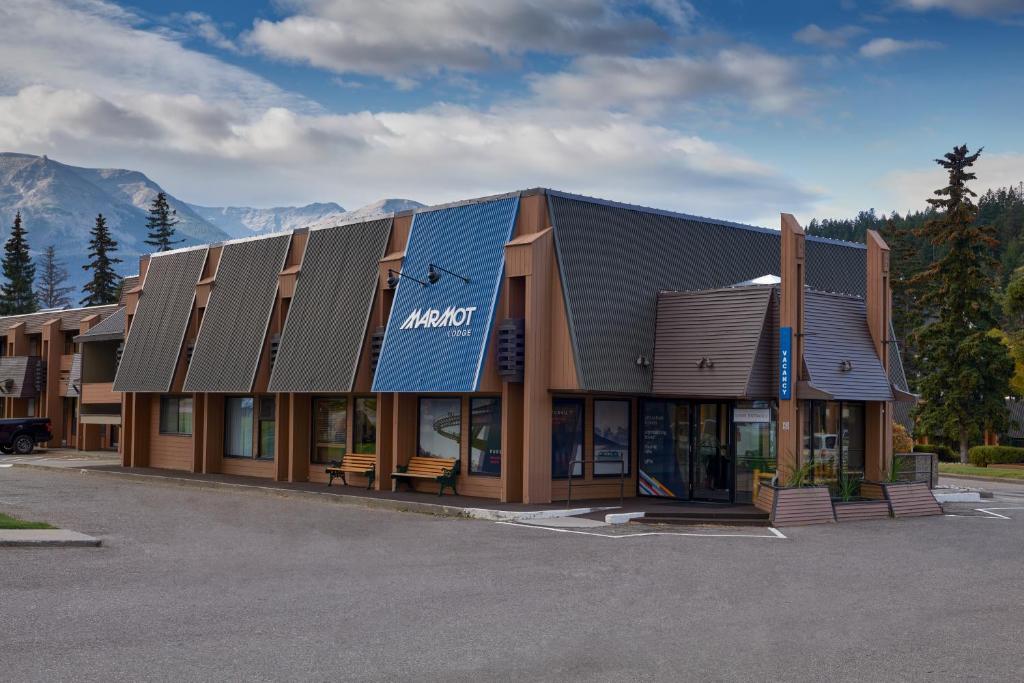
736	109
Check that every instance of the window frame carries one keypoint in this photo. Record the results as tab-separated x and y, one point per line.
626	472
254	447
316	444
177	398
501	453
419	414
582	403
355	423
816	408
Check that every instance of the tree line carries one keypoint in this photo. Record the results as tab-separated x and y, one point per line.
957	273
22	293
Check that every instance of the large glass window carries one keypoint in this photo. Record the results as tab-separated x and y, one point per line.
440	429
754	433
665	449
612	436
833	439
268	425
331	429
566	437
238	426
176	415
365	425
485	436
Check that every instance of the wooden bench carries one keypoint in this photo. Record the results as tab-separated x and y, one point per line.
442	470
353	463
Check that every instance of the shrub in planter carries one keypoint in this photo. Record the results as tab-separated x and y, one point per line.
983	456
901	440
944	452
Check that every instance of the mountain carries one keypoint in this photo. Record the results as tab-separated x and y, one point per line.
242	221
59	203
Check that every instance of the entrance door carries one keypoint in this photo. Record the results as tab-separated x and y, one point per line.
712	464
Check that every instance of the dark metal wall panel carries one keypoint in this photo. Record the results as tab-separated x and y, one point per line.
613	261
230	341
437	335
836	330
326	323
724	326
151	351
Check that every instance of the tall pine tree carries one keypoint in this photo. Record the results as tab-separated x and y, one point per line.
17	295
105	285
53	276
966	370
160	223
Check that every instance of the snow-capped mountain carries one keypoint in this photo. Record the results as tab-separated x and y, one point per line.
242	221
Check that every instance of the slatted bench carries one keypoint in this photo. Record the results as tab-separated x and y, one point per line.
442	470
353	463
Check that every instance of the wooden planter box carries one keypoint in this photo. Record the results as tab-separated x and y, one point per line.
905	498
798	506
856	510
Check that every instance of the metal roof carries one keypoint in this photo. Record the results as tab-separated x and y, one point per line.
836	331
707	343
326	324
70	318
17	376
437	335
234	326
614	259
110	329
158	328
69	387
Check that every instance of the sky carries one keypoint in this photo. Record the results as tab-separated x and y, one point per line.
736	109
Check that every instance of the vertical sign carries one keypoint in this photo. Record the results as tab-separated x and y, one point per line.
785	363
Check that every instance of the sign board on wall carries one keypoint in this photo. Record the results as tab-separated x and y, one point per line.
785	363
437	333
751	415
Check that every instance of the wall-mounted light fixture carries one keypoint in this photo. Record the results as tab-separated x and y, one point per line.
705	362
394	276
433	276
845	365
643	362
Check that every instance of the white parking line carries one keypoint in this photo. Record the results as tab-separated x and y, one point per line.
775	533
987	512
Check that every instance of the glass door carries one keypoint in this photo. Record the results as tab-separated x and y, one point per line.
712	464
665	449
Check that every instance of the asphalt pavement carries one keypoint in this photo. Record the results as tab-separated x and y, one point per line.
205	584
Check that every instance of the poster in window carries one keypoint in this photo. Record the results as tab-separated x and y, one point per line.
611	437
485	436
566	437
440	428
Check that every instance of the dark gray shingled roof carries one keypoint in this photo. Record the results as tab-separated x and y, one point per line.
17	376
70	318
227	350
614	259
836	330
154	341
111	329
726	326
326	323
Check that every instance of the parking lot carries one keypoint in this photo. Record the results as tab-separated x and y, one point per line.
204	584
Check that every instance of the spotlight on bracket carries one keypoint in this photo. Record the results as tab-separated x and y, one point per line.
705	362
433	276
394	276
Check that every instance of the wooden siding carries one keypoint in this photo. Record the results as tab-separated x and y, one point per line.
167	451
913	499
100	392
799	506
855	511
248	467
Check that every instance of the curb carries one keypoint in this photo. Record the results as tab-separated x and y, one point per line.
46	538
435	509
992	480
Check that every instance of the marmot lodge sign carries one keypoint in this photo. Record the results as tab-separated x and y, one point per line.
452	316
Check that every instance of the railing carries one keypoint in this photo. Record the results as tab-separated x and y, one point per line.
584	461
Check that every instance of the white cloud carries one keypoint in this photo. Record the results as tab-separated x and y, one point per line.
909	189
207	29
883	47
764	81
404	39
967	8
812	34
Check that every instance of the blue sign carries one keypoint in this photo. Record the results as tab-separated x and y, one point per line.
437	333
785	363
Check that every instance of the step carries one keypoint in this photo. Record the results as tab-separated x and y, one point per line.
711	520
737	515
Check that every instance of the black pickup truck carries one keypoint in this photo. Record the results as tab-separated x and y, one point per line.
21	434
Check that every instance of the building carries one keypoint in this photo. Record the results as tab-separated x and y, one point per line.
530	337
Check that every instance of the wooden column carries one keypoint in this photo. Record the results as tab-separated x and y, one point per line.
299	422
141	406
878	417
17	345
210	437
403	430
385	441
791	315
50	404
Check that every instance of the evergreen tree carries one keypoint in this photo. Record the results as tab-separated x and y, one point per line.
52	291
160	223
105	285
966	369
17	295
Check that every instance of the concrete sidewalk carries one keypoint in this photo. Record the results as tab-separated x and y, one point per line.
38	538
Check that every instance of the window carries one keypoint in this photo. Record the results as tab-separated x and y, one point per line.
365	438
485	436
753	433
238	426
176	415
566	437
440	429
268	425
331	429
611	437
833	439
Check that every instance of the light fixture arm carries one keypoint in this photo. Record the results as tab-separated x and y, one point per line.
445	270
408	277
